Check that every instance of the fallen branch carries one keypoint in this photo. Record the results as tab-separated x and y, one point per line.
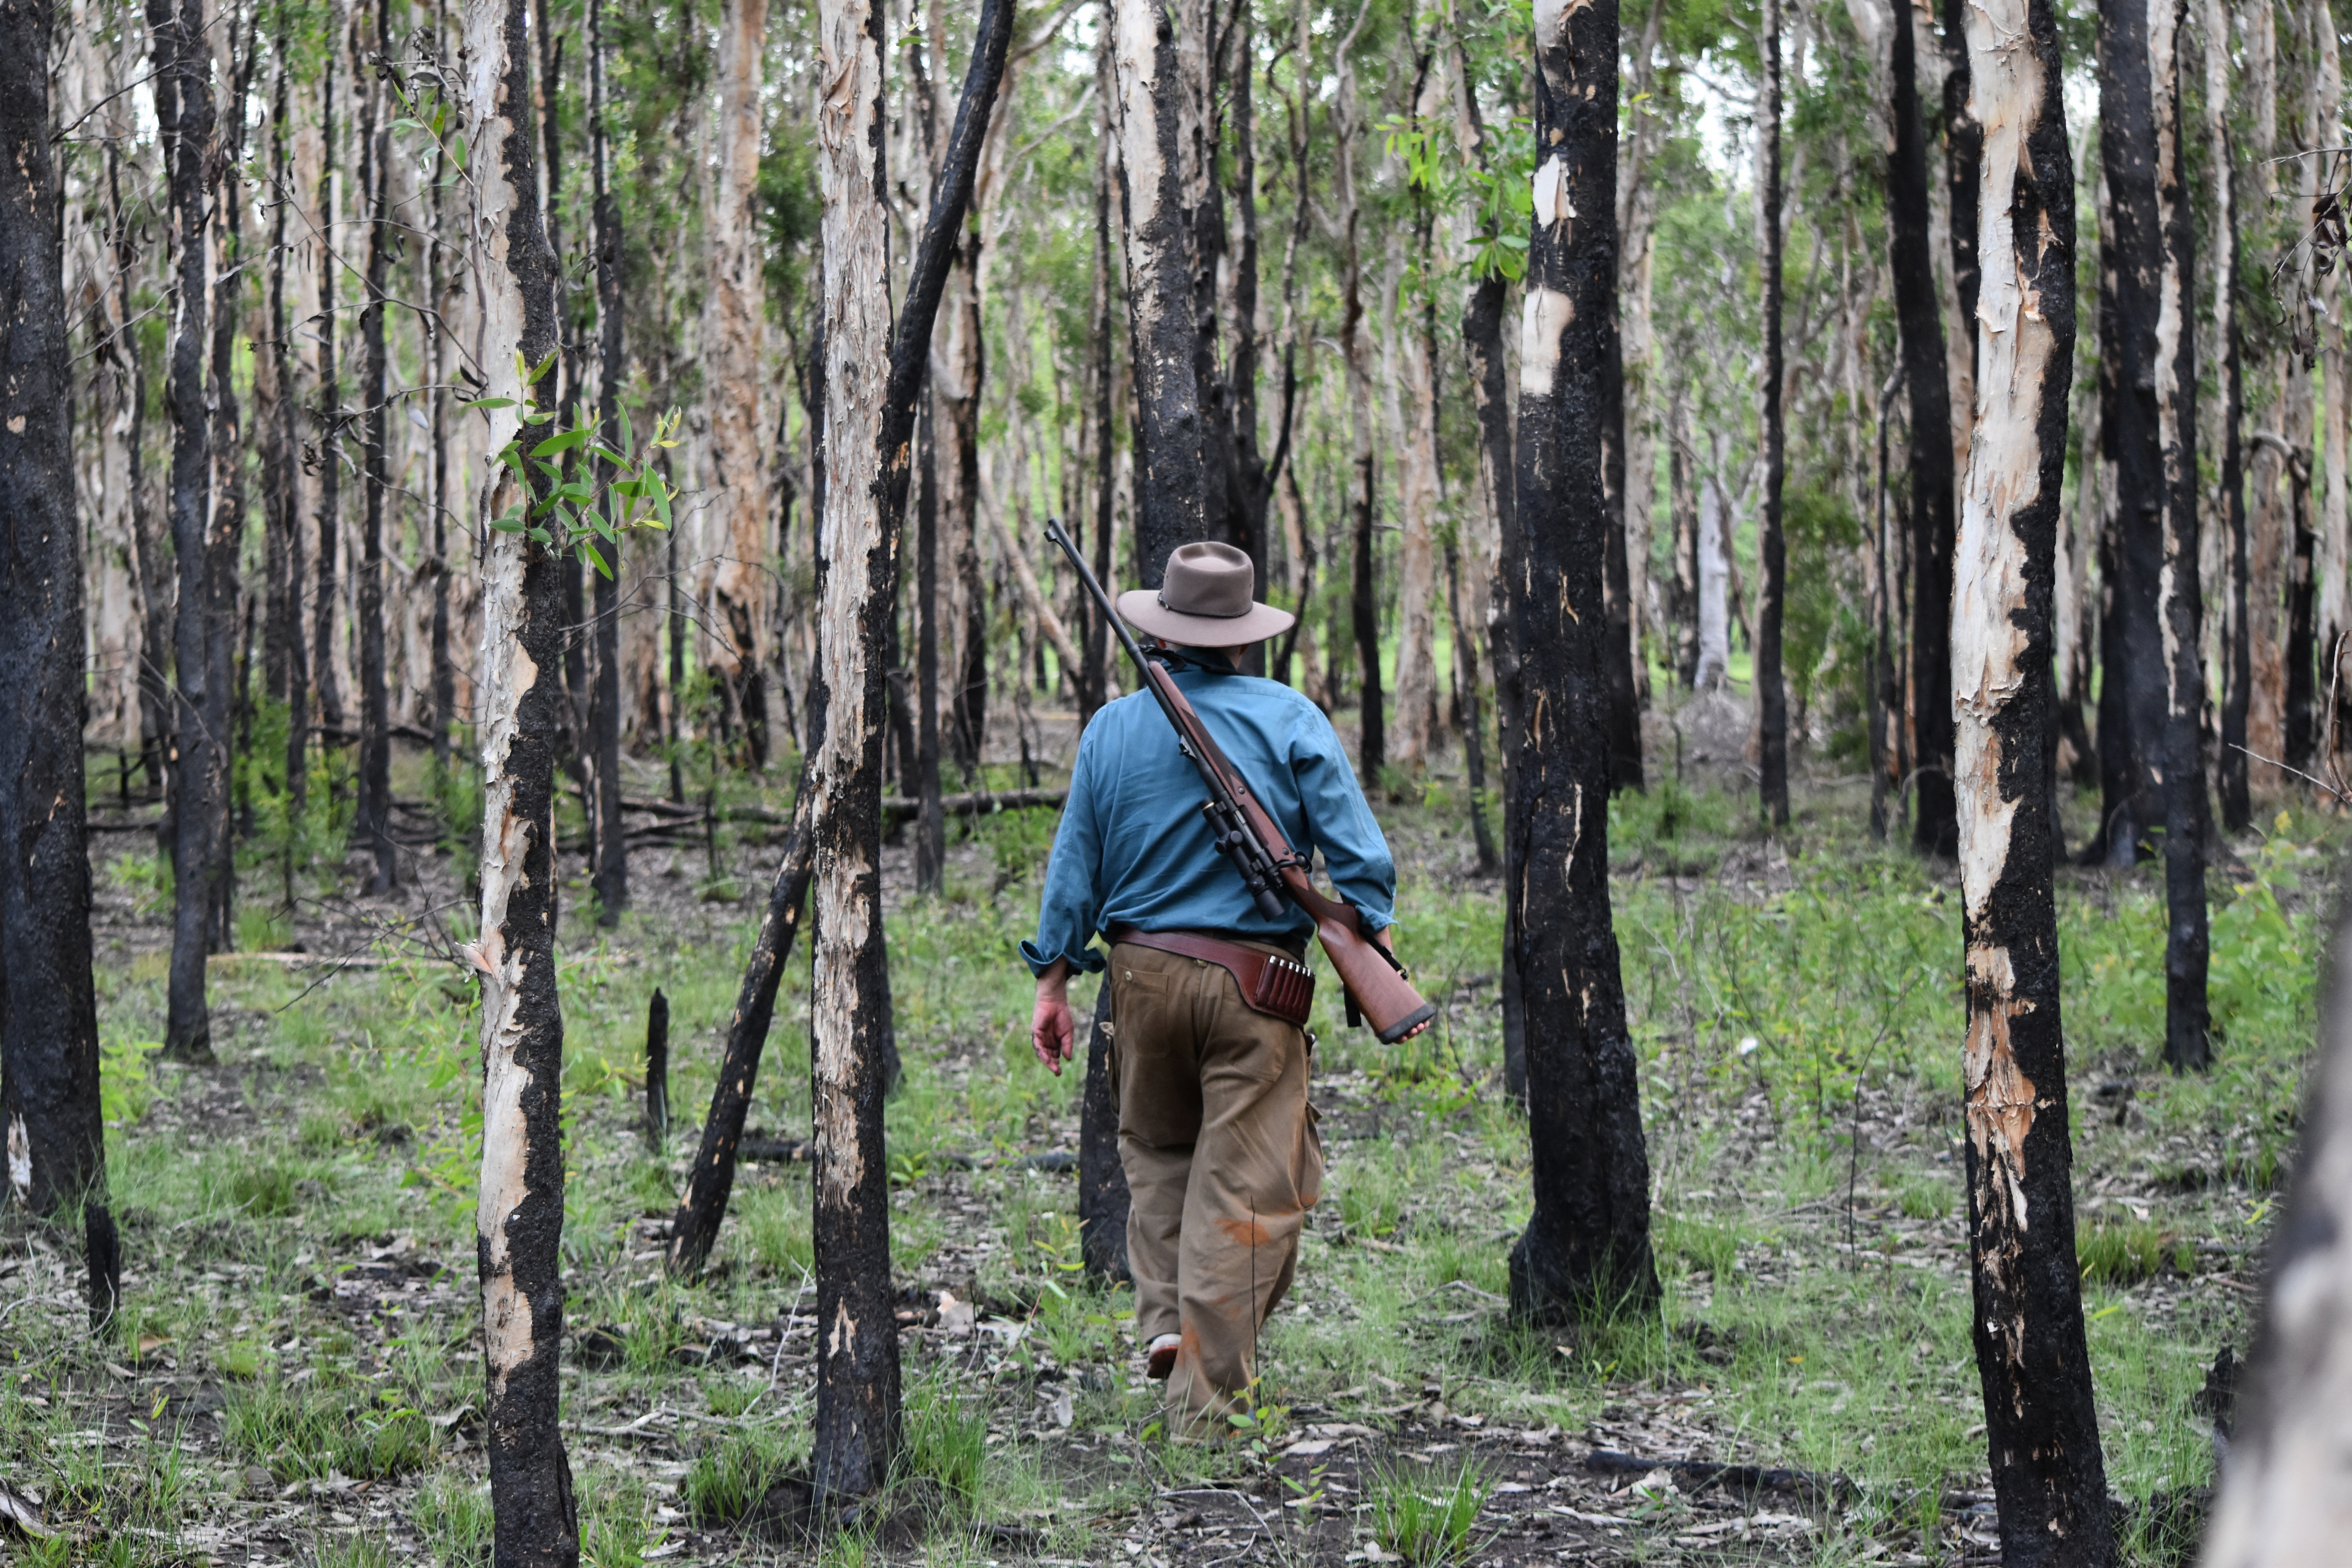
696	1226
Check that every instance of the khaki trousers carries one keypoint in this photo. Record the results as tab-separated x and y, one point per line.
1222	1162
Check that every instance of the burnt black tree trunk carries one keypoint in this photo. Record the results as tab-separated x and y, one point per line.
869	436
2302	637
2131	740
2237	642
1618	651
657	1072
2179	599
374	825
1771	548
519	1223
930	820
49	1119
285	519
695	1228
1103	1197
1920	318
184	113
1934	829
1161	325
1586	1251
611	876
2042	1424
224	528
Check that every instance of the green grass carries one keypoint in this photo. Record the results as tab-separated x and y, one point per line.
1426	1513
1773	1336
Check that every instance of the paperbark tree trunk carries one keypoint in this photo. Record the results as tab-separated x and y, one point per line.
183	113
2179	598
374	825
520	1221
1161	327
2132	732
50	1120
2237	642
1771	550
2042	1424
148	566
2285	1495
733	315
873	378
1714	587
611	876
1586	1250
328	414
436	335
1919	319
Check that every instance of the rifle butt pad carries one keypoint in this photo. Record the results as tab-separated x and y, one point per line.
1410	1024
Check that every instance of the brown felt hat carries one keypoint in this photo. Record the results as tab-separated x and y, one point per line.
1203	602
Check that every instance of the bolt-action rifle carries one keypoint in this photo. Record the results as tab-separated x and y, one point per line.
1377	985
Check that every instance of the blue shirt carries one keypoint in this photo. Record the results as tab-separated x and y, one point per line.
1134	849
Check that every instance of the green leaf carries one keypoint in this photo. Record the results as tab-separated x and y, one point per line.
560	443
542	536
590	556
506	524
628	440
598	449
661	502
489	403
458	151
544	366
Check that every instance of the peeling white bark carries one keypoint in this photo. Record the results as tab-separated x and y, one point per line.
857	359
1542	319
2004	473
734	320
506	673
20	1160
2171	320
1134	63
1713	589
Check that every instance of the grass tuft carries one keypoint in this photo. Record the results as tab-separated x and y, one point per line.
1425	1513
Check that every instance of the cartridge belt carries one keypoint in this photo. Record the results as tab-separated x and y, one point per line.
1271	983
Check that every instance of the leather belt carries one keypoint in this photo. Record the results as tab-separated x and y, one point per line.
1277	986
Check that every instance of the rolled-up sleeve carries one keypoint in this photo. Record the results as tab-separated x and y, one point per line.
1355	852
1071	904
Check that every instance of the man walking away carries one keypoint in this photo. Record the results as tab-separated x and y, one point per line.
1215	1129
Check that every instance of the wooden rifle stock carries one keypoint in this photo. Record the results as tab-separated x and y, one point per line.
1376	982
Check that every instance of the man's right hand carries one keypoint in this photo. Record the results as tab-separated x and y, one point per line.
1051	1030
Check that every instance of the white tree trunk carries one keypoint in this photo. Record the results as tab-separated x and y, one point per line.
1714	588
734	320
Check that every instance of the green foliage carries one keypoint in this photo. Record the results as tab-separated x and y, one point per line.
946	1437
2129	1251
305	1431
1426	1513
728	1477
452	1516
125	1087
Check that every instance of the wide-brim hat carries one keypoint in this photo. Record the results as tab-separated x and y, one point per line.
1205	601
